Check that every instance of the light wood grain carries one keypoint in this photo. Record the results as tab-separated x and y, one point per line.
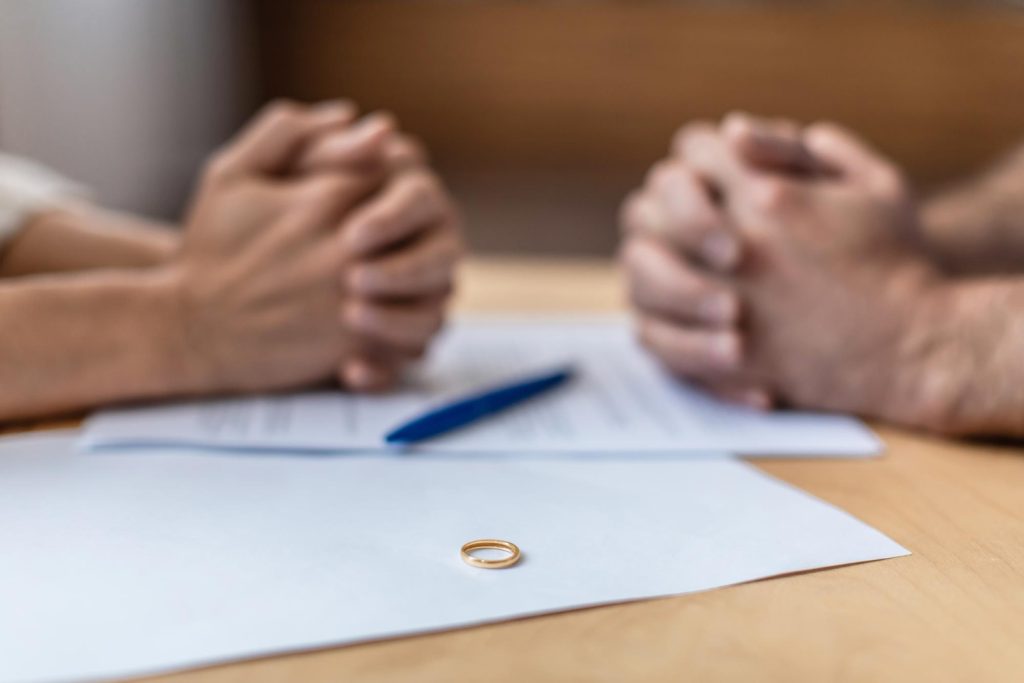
954	611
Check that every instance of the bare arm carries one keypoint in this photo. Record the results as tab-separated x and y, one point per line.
972	377
84	238
838	312
252	300
978	227
74	341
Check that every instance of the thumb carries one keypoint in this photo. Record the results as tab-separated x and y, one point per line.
847	153
771	145
269	144
354	147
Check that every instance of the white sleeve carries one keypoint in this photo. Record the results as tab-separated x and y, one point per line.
27	188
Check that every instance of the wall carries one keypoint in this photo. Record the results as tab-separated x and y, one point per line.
544	113
127	96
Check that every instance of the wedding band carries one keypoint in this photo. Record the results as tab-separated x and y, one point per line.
490	544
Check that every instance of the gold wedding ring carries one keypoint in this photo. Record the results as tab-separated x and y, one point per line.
490	544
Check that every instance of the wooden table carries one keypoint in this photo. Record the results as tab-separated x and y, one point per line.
953	611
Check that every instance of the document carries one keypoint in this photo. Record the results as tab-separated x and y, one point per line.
621	400
117	565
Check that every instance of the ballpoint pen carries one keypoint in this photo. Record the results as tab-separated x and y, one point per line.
468	409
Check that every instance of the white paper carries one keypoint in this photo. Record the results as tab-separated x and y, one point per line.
115	564
621	401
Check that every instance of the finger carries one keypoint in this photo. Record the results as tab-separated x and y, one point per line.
331	114
706	152
374	367
691	352
405	327
404	151
750	397
368	374
276	136
851	156
679	140
662	284
689	218
411	203
320	201
751	198
426	267
772	145
353	147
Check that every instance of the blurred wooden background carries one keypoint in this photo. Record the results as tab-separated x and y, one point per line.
544	113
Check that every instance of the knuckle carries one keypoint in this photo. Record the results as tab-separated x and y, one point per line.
695	301
362	277
630	212
329	146
325	188
389	117
362	314
772	195
458	241
450	252
281	110
409	149
693	230
692	220
425	187
448	220
822	130
691	131
218	166
891	183
386	219
413	273
684	173
631	254
660	175
356	237
787	127
736	115
637	294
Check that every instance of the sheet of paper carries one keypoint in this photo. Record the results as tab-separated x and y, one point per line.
622	401
115	564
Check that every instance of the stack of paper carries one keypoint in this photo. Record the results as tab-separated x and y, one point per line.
152	553
124	563
621	402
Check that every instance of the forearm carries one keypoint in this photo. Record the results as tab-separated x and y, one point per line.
978	227
76	341
970	381
84	238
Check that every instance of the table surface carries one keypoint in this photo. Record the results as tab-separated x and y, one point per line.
953	611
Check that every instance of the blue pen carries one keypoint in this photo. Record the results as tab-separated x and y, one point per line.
464	411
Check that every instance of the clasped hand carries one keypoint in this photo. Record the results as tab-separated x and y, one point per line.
773	264
316	247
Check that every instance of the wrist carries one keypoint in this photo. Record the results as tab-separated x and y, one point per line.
178	361
931	378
